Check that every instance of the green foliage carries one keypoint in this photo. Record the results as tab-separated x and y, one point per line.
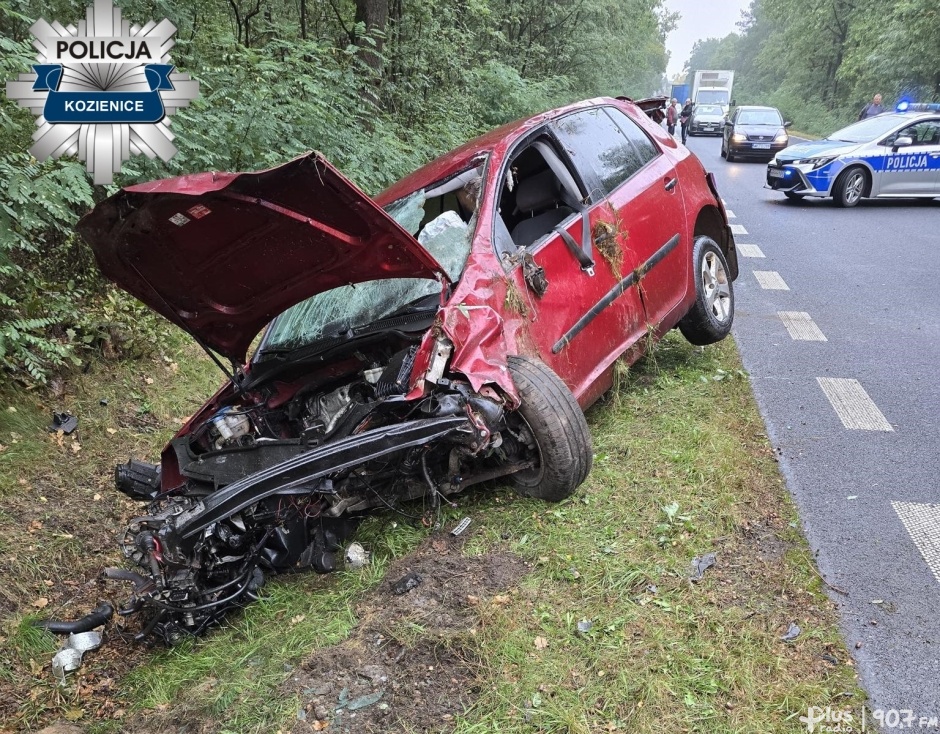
378	97
820	61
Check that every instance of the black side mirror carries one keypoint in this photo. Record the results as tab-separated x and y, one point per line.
733	103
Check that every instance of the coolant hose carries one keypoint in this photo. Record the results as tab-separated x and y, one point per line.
102	614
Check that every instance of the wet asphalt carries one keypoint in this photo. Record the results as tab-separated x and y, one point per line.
868	277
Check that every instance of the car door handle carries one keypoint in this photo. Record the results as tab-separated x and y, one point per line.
671	183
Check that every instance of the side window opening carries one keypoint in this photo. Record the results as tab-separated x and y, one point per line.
538	194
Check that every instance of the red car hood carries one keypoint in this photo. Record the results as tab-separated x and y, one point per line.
221	254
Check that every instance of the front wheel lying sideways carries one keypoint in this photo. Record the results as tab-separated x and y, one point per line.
710	318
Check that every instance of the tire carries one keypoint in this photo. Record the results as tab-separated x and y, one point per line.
710	318
793	196
850	187
557	424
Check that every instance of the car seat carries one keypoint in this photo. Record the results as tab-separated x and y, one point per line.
540	196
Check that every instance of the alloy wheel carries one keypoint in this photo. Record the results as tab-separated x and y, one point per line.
715	287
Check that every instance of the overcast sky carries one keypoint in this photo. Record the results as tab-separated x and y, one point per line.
700	19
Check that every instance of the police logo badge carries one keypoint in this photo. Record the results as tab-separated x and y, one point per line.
103	90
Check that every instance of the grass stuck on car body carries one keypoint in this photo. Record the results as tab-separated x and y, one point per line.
578	616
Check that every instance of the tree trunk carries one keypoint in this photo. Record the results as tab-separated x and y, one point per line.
373	14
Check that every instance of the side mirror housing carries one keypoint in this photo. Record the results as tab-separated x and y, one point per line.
734	103
903	142
787	123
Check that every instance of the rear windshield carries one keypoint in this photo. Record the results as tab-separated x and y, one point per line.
443	221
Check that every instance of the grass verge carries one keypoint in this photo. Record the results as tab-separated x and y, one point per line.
682	468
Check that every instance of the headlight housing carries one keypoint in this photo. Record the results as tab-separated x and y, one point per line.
782	137
817	162
739	137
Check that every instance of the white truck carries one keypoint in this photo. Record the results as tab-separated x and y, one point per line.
713	87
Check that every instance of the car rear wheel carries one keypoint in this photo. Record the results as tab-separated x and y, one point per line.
710	318
850	187
556	424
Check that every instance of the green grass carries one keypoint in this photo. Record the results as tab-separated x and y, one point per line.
682	467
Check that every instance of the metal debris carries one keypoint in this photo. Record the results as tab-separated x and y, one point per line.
69	658
461	526
700	564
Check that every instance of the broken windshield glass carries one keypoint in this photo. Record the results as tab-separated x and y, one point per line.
331	313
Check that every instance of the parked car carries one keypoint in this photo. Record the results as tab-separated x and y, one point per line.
885	157
444	334
707	119
754	132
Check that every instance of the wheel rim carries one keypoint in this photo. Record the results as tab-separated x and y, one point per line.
854	187
715	287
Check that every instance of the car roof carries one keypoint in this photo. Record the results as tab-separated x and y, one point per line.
756	107
463	157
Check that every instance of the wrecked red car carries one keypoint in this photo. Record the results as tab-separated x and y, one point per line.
448	332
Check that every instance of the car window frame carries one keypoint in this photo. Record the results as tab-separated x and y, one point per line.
544	131
889	140
594	175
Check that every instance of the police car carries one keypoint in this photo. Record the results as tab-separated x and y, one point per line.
894	155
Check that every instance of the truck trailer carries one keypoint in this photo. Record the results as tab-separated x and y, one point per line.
713	87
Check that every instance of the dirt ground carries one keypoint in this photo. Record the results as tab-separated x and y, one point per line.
405	666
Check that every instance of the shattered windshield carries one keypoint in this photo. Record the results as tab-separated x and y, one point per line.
444	232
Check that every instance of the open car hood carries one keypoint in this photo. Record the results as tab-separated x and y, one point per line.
221	254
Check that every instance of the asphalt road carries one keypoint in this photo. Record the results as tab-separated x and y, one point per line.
862	459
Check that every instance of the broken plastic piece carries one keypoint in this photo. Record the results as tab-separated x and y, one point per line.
584	626
356	556
406	583
461	526
700	565
793	631
65	422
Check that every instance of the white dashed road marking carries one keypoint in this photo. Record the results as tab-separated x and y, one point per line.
923	525
750	250
770	280
738	229
853	406
730	214
801	326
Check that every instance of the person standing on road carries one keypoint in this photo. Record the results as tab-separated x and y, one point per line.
872	108
684	118
672	115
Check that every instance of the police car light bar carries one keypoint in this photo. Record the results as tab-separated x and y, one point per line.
918	107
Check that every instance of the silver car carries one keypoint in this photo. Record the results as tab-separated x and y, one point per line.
893	155
707	119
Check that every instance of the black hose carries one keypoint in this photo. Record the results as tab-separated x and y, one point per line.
100	616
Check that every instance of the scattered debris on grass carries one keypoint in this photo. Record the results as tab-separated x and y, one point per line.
700	564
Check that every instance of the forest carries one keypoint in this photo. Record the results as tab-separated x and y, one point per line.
820	61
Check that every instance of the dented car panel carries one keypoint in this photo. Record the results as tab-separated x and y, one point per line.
446	334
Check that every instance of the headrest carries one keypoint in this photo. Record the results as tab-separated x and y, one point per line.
538	192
